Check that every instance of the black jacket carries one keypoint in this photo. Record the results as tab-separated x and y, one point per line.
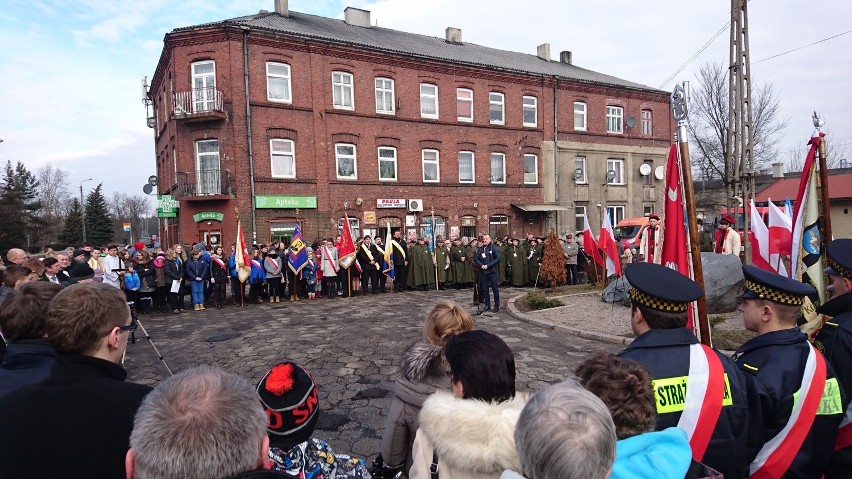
74	424
173	271
665	353
364	260
25	362
398	258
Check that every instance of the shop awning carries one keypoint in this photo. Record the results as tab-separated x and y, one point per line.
541	207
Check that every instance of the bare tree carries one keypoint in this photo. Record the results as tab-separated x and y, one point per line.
54	196
836	151
131	209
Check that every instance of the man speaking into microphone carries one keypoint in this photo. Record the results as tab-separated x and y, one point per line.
487	259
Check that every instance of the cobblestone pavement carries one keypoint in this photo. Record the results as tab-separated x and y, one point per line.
351	346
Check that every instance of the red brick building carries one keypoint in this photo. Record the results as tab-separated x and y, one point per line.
294	117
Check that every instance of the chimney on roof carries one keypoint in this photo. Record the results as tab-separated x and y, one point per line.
454	35
565	57
544	51
778	170
357	17
281	8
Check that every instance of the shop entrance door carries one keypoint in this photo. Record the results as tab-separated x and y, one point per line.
210	237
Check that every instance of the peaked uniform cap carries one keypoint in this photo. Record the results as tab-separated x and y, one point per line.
839	254
660	288
760	284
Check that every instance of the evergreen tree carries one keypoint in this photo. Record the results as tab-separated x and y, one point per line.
553	263
98	221
72	234
19	211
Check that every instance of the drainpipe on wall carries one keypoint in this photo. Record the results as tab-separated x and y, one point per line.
248	133
556	151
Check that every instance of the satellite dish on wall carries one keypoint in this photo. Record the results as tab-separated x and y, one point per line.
631	121
660	173
147	189
645	169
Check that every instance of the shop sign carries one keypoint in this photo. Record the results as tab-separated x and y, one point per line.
126	227
167	206
207	216
285	202
370	217
390	203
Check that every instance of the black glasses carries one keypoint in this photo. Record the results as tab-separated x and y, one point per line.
130	328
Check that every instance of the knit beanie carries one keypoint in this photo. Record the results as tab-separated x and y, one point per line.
289	396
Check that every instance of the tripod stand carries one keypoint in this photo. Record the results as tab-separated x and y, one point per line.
132	339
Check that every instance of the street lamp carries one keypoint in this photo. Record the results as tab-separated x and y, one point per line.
83	207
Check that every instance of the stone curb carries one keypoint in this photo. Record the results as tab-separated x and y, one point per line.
594	335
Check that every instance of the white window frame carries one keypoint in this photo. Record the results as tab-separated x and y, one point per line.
379	151
581	119
275	150
354	226
530	106
339	156
338	84
583	180
616	214
492	157
429	97
385	94
472	167
270	77
616	164
461	99
203	87
614	119
495	98
647	122
535	162
436	161
579	215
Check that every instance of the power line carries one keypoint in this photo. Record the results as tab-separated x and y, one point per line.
804	46
696	54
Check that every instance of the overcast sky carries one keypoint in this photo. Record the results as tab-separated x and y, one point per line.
70	71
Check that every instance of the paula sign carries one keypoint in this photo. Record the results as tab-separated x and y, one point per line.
390	203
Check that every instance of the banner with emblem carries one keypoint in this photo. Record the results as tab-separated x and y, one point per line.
297	257
346	249
241	256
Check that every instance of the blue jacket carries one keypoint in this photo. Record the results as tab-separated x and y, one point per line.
25	362
488	256
309	272
232	266
658	454
132	282
197	268
257	271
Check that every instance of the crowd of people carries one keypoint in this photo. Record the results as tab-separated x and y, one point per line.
664	407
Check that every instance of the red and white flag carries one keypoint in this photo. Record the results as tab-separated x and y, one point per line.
346	249
590	244
607	244
241	255
759	237
780	237
675	242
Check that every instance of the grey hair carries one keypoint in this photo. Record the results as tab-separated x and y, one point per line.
565	432
203	423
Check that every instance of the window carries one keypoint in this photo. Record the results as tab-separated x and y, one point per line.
530	111
354	227
498	168
530	169
207	167
387	163
278	82
580	170
283	158
616	214
431	171
347	164
616	166
496	108
466	173
384	96
439	228
614	119
428	100
579	116
464	104
648	210
468	226
647	123
648	180
498	226
341	85
579	218
203	86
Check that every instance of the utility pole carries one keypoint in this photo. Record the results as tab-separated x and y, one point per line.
739	159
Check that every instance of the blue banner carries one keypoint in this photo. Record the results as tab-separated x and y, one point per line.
297	256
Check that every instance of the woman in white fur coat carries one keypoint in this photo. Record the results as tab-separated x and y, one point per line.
470	432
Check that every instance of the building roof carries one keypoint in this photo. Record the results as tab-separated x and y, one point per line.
435	48
839	187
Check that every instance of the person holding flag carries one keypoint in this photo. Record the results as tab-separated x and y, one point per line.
297	256
388	270
368	257
400	262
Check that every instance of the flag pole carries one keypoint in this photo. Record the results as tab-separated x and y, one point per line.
823	184
680	108
435	263
390	245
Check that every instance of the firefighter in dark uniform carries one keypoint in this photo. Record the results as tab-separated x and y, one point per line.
834	340
664	345
790	383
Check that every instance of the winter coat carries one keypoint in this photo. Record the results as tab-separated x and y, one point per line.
174	270
453	428
273	266
658	454
424	370
25	362
309	272
160	271
232	266
219	272
197	268
146	276
258	275
131	281
327	262
315	459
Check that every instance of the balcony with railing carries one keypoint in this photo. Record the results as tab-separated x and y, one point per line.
205	185
199	104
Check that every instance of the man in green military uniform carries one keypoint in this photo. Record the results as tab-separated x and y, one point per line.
442	260
504	261
517	264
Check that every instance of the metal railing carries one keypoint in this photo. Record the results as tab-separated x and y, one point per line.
198	102
204	183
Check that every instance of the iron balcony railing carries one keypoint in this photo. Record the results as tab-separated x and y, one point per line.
198	102
205	182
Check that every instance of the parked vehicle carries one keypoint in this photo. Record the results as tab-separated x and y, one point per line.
629	229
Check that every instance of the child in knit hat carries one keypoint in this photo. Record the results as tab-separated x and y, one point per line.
290	397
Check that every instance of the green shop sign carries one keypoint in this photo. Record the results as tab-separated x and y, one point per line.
167	206
285	202
207	215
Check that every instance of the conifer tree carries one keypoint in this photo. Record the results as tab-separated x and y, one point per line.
98	221
553	263
20	223
72	233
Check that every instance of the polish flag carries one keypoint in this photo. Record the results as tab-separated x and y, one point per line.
780	237
607	243
759	237
590	244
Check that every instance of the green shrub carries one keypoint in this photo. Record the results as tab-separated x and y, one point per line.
538	301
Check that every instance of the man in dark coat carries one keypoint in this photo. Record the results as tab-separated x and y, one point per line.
77	422
370	260
834	340
487	259
400	262
791	385
678	363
